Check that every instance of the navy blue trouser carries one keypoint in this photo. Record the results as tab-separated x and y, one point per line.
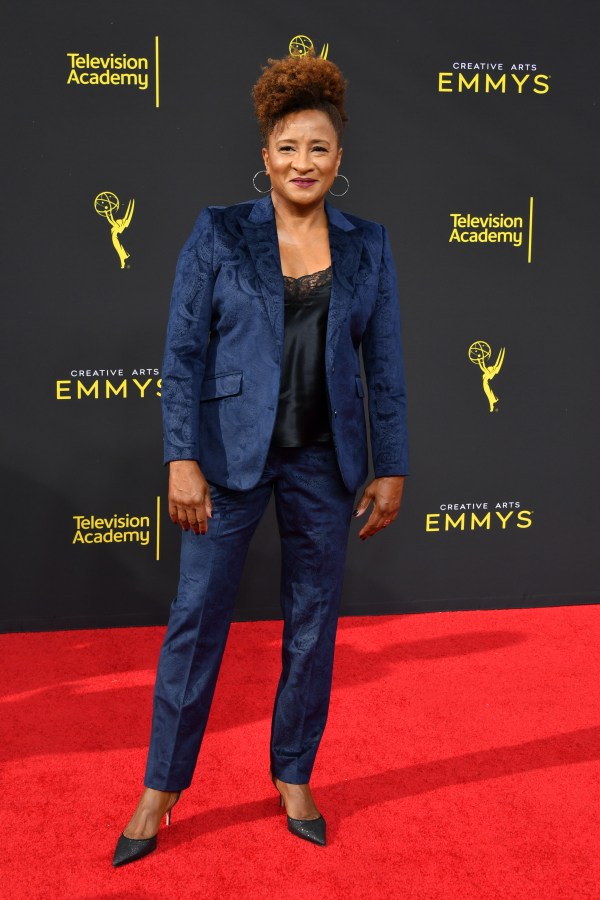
314	510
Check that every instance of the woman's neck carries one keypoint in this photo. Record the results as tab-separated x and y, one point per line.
298	217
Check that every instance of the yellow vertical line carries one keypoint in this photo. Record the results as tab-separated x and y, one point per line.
157	528
530	228
157	79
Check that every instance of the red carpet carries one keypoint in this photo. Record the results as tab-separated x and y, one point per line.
461	760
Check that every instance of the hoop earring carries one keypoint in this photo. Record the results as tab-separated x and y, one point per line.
343	192
254	182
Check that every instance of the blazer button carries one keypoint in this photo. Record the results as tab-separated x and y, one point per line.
335	412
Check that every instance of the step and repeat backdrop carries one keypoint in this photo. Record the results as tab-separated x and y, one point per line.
472	137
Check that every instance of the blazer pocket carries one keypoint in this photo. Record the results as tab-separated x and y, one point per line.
227	384
359	386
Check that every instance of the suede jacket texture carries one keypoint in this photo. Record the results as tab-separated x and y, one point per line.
222	360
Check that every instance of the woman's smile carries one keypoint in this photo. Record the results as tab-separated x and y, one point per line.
304	182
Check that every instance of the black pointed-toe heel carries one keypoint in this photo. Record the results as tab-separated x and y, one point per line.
313	830
130	849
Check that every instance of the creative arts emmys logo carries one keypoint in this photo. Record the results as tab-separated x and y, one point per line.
479	353
108	384
106	205
493	77
479	515
300	45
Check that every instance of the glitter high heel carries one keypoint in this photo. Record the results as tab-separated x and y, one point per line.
130	849
313	830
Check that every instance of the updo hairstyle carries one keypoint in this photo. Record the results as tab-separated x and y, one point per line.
296	83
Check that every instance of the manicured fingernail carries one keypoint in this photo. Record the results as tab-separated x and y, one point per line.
355	512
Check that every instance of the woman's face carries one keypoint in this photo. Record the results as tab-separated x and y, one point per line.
302	157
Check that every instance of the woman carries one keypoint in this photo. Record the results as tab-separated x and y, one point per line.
262	393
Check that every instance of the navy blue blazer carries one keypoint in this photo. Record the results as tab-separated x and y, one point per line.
222	361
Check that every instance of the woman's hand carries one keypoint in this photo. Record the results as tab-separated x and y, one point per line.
385	494
189	496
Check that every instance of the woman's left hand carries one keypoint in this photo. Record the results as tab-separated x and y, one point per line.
385	494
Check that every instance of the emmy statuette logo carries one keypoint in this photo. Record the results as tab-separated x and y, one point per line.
479	354
106	205
300	45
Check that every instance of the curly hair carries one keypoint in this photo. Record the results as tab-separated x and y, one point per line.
296	83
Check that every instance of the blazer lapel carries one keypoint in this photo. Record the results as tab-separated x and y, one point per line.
345	242
261	234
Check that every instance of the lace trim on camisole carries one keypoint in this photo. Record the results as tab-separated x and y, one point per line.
300	287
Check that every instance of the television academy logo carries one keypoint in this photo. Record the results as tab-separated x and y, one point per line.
493	77
106	205
492	228
116	70
479	354
93	530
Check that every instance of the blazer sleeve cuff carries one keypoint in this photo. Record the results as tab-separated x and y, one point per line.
173	454
394	472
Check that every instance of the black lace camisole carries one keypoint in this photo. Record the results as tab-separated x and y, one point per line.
303	411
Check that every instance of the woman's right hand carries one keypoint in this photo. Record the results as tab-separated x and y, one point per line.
189	496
